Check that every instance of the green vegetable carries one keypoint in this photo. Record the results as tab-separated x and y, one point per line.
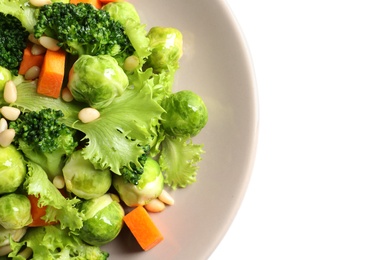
52	242
83	29
150	185
127	16
12	169
122	130
13	41
186	114
179	161
133	173
22	10
122	12
58	208
15	211
14	234
83	180
44	139
103	220
167	48
97	80
5	75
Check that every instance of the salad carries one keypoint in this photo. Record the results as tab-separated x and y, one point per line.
92	134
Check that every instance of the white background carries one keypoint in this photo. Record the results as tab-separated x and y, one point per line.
320	187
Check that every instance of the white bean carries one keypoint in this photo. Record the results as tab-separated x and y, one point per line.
66	94
10	92
59	182
49	43
37	49
6	137
3	124
166	198
88	114
10	113
39	3
32	73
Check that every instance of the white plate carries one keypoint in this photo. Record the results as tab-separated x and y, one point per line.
216	65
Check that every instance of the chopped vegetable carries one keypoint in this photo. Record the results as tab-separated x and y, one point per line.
83	30
29	60
52	73
37	212
143	228
13	40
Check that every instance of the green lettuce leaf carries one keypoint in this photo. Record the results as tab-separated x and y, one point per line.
52	242
116	138
123	127
179	161
59	208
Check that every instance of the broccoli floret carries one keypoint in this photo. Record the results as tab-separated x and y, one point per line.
13	41
83	29
22	10
133	173
44	139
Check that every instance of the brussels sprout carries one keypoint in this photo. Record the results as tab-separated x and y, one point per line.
122	12
82	179
12	169
149	186
167	48
186	114
97	80
103	220
5	75
15	211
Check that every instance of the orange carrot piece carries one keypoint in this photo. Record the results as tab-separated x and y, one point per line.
109	1
95	3
37	213
29	60
143	228
52	74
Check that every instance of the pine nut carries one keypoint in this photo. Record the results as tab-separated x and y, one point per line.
19	234
66	95
10	92
88	114
59	181
49	43
166	198
3	124
6	137
5	250
37	49
10	113
155	206
32	39
115	197
32	73
40	3
131	63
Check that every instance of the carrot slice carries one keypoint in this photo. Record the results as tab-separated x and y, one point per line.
29	60
52	74
37	213
95	3
143	228
109	1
